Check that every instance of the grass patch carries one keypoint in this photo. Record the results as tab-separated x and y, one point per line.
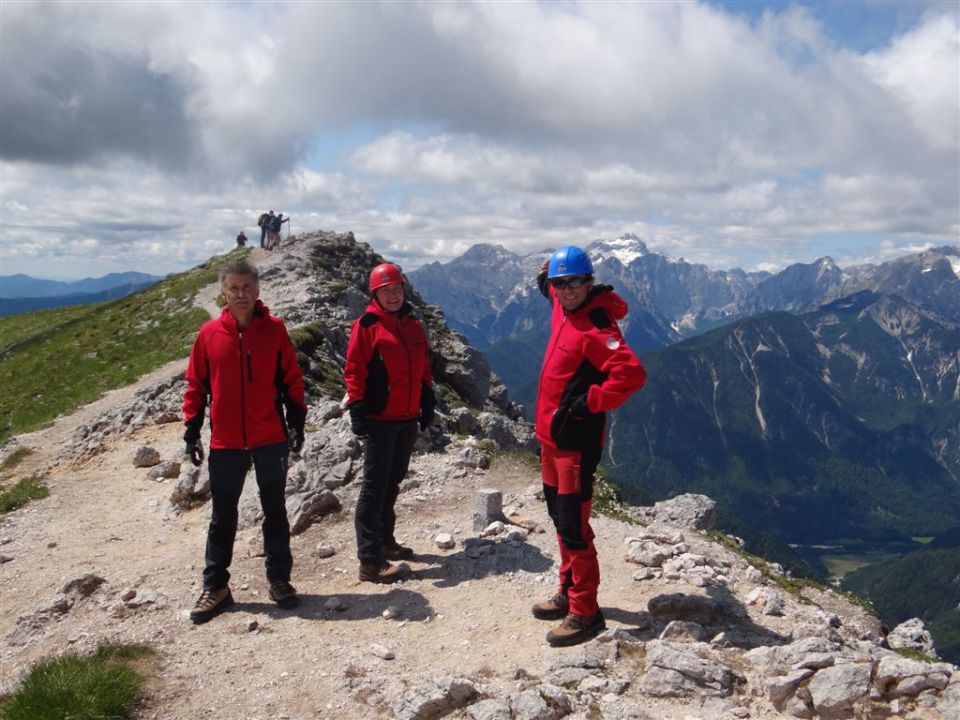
792	585
912	654
26	489
53	361
607	501
75	687
14	459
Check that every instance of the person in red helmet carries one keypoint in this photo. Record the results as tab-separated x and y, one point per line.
587	370
389	391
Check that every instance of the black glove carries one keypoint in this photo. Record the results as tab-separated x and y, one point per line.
295	439
428	404
542	282
296	420
191	436
195	450
578	406
358	420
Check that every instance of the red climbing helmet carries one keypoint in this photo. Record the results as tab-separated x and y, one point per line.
384	274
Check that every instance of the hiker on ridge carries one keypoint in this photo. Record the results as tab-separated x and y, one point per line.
388	378
242	239
264	222
276	223
246	365
587	370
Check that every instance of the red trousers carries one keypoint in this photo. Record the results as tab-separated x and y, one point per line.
568	489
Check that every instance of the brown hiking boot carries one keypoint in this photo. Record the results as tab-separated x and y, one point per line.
553	609
383	572
576	628
210	604
283	594
396	551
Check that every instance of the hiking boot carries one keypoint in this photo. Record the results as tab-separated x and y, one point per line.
396	551
383	572
283	594
555	608
210	604
576	628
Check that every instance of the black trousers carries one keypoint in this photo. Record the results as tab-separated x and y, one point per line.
228	468
263	234
386	458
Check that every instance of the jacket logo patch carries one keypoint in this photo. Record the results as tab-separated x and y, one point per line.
613	343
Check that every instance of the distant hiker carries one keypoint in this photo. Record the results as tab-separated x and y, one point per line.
241	239
587	370
264	223
246	365
389	391
273	235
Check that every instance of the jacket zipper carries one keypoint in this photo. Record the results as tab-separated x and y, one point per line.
243	395
409	370
546	362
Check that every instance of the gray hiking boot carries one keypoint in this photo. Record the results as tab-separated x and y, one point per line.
576	629
210	604
383	572
555	608
283	594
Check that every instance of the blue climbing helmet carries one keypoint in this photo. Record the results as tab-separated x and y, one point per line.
569	261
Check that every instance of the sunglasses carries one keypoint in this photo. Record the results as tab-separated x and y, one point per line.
572	283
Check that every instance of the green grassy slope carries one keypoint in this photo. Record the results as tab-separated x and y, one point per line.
53	361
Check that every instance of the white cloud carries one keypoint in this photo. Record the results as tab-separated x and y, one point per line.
157	130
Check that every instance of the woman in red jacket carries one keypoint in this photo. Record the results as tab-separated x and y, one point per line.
389	391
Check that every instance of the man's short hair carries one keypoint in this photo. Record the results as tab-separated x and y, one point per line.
239	267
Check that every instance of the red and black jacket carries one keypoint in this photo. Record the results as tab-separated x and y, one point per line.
250	376
585	357
388	364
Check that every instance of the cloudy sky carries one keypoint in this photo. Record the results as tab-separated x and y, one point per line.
144	136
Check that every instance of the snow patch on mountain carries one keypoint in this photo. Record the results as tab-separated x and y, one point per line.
625	248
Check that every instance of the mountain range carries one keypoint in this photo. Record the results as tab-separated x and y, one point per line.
818	403
23	293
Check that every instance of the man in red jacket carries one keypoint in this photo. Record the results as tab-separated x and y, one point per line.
245	364
587	370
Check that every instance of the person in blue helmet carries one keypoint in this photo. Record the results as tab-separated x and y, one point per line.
587	370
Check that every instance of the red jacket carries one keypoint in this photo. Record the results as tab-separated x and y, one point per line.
250	376
585	357
388	361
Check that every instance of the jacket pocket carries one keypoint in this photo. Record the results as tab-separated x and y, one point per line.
575	432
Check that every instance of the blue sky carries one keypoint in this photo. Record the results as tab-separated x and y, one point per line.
143	136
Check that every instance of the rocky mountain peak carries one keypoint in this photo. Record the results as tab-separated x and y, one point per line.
626	249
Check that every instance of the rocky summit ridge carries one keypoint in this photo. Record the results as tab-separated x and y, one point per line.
696	629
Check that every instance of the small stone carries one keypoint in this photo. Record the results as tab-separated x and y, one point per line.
392	612
252	625
146	456
4	558
128	594
382	652
324	551
444	541
335	604
51	545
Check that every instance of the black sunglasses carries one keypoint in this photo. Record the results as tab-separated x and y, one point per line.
572	283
